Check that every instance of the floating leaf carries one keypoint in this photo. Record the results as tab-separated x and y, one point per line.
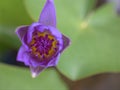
12	77
95	39
12	14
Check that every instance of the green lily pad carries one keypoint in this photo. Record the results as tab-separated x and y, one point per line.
95	39
12	77
8	39
12	14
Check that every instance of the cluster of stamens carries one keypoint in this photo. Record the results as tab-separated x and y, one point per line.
43	45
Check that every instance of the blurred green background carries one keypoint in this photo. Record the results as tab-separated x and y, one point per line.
93	27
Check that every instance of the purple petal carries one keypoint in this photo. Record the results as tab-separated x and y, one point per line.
23	56
36	70
35	62
31	29
21	31
48	15
54	61
66	42
57	34
41	28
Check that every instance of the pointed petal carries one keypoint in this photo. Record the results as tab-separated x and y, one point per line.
48	15
54	61
31	29
21	31
36	70
23	56
66	42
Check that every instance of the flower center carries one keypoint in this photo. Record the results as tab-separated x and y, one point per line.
43	45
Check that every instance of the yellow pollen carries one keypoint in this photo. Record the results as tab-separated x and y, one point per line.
43	45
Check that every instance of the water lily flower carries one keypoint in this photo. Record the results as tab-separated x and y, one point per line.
42	43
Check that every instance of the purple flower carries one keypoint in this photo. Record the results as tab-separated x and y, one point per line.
42	43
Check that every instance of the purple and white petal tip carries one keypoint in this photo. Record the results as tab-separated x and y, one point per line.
35	71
